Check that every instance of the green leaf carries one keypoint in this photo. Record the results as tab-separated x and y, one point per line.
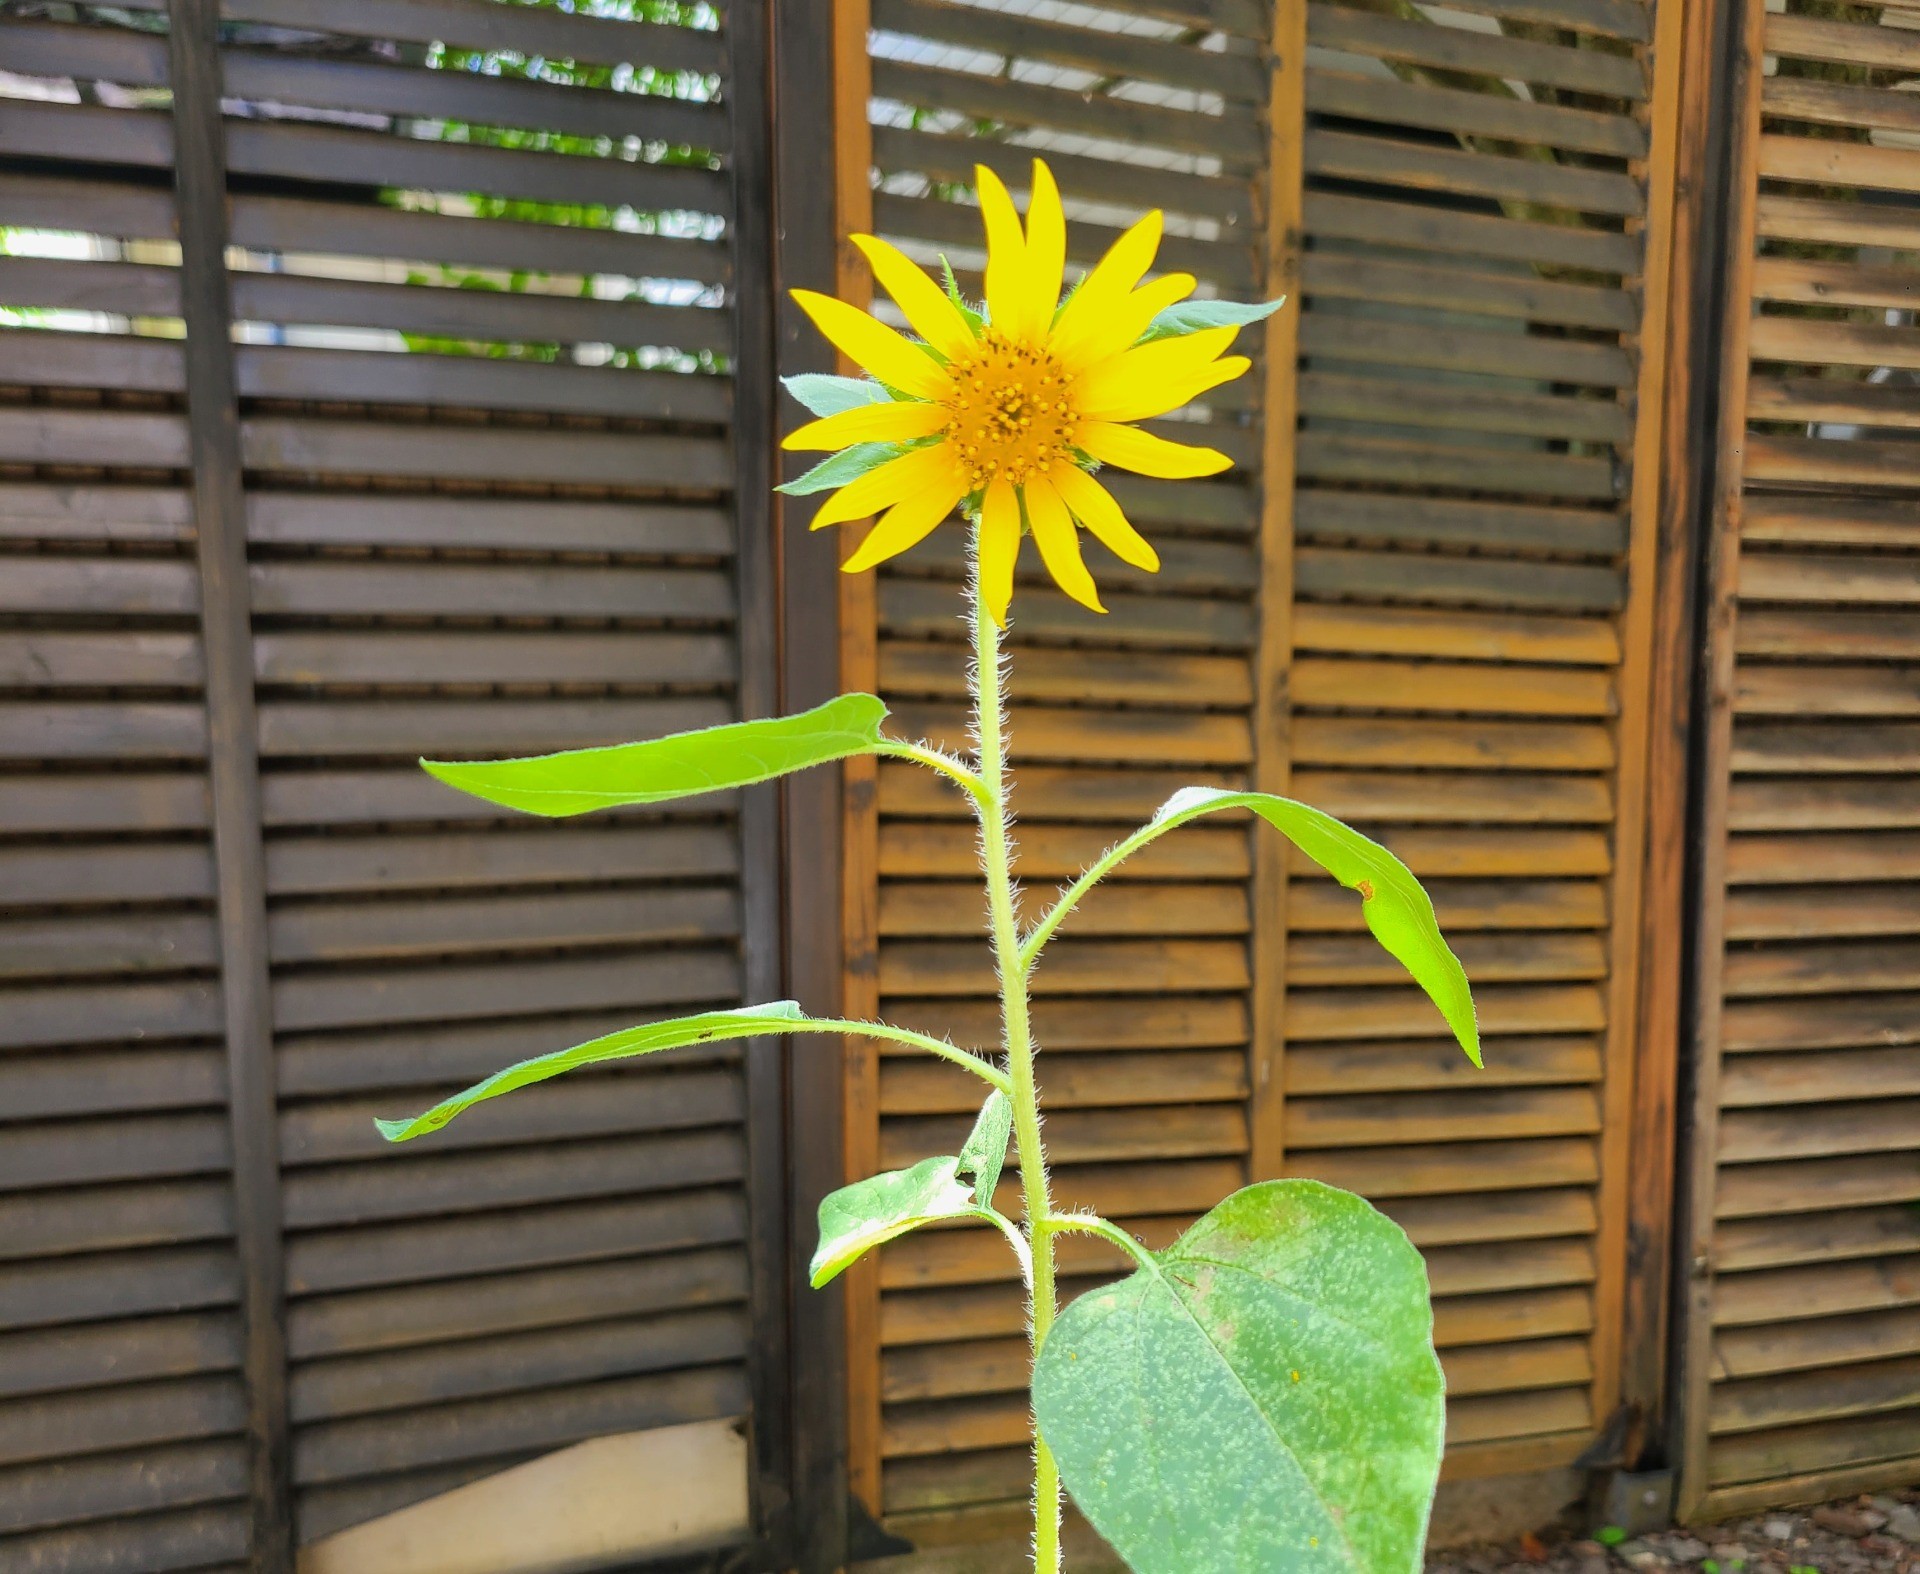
984	1154
1264	1398
1191	316
825	395
682	765
1609	1535
1392	901
706	1028
836	470
975	320
869	1213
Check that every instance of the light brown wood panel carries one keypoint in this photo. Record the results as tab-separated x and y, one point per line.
926	849
1071	966
921	1086
1405	1065
1463	635
1461	672
1462	797
1467	904
951	908
1430	686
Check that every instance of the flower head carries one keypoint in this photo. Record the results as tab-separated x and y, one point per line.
1009	411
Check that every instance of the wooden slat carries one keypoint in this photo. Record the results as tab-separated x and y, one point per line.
1472	114
473	98
1105	118
1460	49
1107	53
472	24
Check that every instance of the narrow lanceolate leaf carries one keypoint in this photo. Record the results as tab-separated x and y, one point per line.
826	395
1265	1398
706	1028
869	1213
984	1154
1191	316
1392	901
838	469
681	766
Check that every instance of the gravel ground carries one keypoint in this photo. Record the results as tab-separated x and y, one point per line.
1865	1535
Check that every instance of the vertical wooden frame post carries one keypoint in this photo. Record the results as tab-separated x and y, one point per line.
1746	47
226	626
1633	731
769	1358
807	107
1667	940
860	822
1273	656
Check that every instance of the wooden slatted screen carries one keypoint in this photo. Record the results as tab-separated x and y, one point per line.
518	537
122	1410
495	395
1483	279
1480	253
1804	1331
1143	1001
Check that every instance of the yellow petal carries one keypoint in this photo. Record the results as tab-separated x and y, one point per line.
1096	508
1046	251
1126	321
1006	252
1109	282
896	421
999	547
1059	543
904	525
892	357
923	470
1142	452
928	311
1172	396
1141	373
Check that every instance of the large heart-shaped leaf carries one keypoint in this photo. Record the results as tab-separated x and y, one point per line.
648	1039
683	765
1265	1397
869	1213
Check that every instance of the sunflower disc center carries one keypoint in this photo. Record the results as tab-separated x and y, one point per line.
1009	417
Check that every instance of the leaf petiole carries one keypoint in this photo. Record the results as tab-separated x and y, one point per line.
935	760
1042	932
982	1068
1093	1224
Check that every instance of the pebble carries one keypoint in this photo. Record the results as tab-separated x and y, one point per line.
1845	1520
1778	1529
1685	1549
1904	1522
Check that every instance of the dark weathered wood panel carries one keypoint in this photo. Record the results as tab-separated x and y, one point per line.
1798	1378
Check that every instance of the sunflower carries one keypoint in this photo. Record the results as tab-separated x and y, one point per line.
1010	410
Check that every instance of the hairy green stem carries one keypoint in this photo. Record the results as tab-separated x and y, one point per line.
996	853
